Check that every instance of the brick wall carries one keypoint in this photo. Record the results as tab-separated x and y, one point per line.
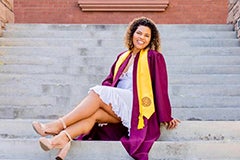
68	11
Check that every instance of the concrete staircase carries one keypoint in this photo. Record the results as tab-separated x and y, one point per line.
45	70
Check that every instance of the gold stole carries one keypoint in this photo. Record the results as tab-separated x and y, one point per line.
144	85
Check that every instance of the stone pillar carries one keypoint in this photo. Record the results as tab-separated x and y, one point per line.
234	15
6	13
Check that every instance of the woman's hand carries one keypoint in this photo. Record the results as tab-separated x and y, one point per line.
172	124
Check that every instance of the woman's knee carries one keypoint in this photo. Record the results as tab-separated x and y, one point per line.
93	94
102	104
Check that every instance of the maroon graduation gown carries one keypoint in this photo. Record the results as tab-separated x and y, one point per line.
140	141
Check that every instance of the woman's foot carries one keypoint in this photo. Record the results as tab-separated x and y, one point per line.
51	128
59	141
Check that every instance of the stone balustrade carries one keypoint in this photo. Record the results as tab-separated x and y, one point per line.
6	13
234	15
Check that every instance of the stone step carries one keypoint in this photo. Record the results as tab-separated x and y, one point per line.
99	150
66	69
31	60
176	61
197	34
67	64
42	79
201	137
9	59
117	27
190	101
203	69
34	68
46	111
207	114
202	60
85	80
63	51
202	51
175	43
186	131
115	34
204	90
204	79
11	159
108	60
206	101
36	88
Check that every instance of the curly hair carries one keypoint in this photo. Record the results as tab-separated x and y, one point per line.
143	21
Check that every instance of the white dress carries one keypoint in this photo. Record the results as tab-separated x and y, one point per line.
120	97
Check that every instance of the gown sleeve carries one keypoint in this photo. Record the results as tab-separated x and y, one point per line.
160	87
109	79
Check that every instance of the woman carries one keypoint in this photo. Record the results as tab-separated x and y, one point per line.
129	105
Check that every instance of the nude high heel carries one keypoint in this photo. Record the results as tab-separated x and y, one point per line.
41	128
63	152
46	144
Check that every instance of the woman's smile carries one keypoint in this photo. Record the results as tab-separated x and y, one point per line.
141	37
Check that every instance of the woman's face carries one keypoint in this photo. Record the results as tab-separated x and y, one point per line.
141	37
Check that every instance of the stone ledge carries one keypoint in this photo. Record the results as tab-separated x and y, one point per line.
123	5
186	131
29	149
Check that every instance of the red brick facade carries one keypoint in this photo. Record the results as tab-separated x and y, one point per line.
68	11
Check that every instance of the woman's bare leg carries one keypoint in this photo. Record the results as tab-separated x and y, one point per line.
88	106
84	126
